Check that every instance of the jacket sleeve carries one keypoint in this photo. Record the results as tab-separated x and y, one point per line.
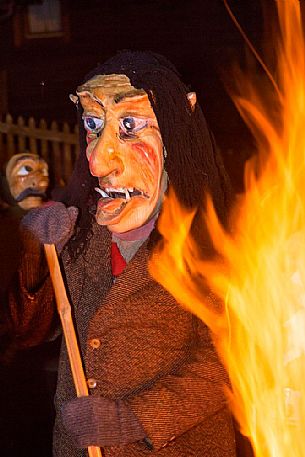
181	400
29	302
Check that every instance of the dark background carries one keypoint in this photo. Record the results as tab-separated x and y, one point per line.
37	75
198	36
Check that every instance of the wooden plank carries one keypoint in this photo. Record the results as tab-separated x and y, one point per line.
59	147
55	161
33	142
10	137
44	142
39	133
20	137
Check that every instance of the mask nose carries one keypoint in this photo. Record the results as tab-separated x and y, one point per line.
105	159
33	180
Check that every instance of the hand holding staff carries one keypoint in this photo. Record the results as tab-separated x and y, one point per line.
64	310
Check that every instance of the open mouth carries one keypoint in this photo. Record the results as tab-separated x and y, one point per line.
114	200
120	192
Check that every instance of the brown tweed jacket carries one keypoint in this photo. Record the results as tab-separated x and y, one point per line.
138	345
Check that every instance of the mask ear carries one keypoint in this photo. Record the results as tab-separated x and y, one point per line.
192	98
74	98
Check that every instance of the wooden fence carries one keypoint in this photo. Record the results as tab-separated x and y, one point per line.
58	145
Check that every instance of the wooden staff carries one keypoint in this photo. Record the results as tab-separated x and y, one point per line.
64	311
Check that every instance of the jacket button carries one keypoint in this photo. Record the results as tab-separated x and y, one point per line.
95	343
92	383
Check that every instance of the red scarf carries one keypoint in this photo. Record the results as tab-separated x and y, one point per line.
118	262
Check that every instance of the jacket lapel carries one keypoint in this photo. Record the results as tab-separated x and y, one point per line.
134	277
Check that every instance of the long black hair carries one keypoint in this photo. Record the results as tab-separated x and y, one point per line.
193	162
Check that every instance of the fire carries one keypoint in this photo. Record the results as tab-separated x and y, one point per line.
259	272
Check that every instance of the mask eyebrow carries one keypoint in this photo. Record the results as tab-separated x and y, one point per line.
26	157
92	114
131	94
89	95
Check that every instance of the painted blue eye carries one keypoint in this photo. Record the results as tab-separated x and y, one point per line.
130	124
93	124
24	170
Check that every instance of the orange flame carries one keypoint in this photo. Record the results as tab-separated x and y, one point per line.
260	334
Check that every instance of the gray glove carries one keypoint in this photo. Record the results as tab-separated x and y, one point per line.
52	223
99	421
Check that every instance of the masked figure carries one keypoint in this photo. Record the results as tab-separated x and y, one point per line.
156	384
28	179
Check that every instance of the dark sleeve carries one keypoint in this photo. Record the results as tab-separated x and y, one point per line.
29	301
178	401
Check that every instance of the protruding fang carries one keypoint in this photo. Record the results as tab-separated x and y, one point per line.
120	192
127	195
136	193
100	191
